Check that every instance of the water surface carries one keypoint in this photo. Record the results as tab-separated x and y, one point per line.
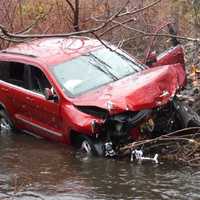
34	169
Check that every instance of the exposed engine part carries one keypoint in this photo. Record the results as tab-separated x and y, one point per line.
117	127
121	129
109	151
149	123
138	154
165	120
148	126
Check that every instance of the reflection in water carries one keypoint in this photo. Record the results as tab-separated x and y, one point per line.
37	169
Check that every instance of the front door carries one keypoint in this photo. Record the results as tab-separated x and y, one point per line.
45	115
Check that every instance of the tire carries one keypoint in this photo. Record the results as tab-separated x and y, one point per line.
6	124
87	145
92	146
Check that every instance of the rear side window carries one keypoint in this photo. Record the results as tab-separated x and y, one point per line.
23	75
38	81
13	72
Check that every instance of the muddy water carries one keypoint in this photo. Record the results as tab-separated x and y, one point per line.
33	169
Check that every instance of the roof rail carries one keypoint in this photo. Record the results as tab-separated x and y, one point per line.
18	53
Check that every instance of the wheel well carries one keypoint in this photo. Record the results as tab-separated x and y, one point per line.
77	138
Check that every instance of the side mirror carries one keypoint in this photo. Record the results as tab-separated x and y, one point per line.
49	94
152	58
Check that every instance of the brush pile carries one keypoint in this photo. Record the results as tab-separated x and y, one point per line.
181	146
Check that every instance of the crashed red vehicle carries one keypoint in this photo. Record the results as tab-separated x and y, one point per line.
77	91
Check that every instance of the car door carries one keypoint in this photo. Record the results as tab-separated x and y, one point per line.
45	114
12	89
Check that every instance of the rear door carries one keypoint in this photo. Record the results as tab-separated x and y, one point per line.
12	89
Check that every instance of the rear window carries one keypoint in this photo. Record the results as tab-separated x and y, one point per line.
12	72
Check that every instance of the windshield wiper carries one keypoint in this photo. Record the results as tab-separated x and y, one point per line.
104	65
105	72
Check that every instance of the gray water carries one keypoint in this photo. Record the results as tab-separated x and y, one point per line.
34	169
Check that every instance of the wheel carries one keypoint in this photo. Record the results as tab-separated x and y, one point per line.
87	145
92	146
5	123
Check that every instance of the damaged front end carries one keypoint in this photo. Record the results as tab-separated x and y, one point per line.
124	128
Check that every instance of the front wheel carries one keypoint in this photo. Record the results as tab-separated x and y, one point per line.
6	125
92	146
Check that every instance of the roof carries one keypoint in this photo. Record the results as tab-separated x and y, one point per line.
54	50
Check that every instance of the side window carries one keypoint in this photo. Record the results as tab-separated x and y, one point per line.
38	80
13	72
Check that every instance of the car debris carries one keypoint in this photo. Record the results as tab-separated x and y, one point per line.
139	156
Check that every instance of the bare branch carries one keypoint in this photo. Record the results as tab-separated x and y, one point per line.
140	9
37	20
75	10
101	41
10	39
129	13
116	25
133	11
25	36
104	23
123	24
70	5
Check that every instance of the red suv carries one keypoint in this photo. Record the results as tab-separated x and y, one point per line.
77	91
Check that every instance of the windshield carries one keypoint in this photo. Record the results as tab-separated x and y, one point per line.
93	69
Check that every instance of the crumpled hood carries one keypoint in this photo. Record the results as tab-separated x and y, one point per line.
147	89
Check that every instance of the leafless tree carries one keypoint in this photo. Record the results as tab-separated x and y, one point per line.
124	18
75	10
103	23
